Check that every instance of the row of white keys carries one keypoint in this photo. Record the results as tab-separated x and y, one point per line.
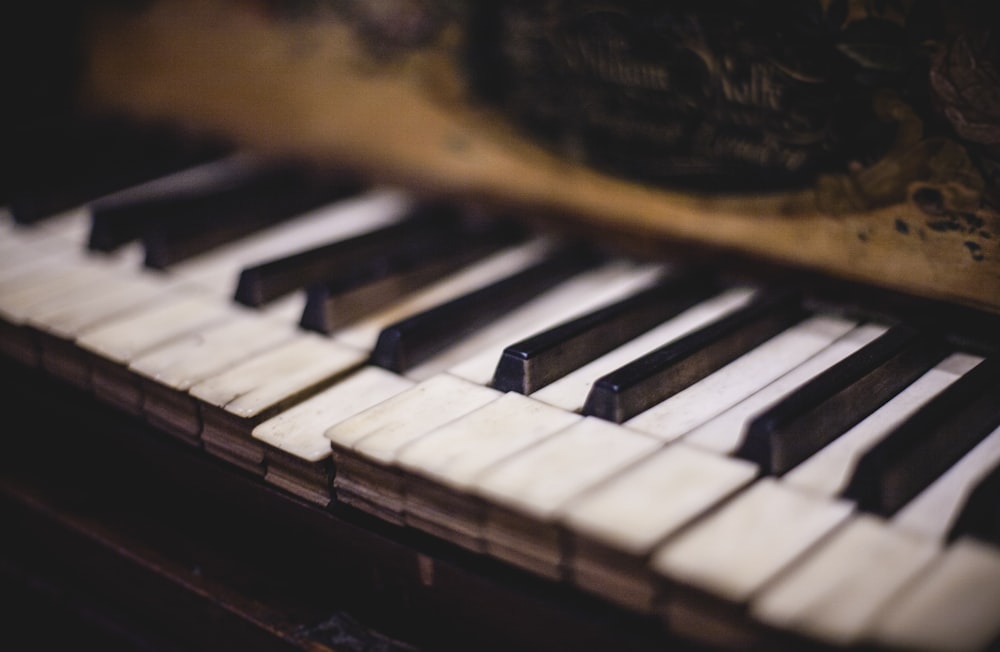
580	294
365	446
717	392
873	582
178	320
618	524
234	401
231	345
297	455
596	517
442	467
297	436
527	493
182	365
953	606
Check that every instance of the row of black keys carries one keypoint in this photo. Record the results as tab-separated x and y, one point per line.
188	215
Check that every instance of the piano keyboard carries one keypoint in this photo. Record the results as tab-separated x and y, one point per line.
733	459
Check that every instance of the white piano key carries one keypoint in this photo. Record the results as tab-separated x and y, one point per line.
739	379
953	607
475	358
934	510
365	332
365	446
380	432
115	296
266	380
301	429
52	286
525	492
23	261
734	552
20	295
70	227
455	454
644	504
724	433
828	471
839	589
441	466
219	269
540	480
124	339
200	355
570	391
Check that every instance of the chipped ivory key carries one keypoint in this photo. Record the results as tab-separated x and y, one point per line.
298	453
441	467
238	399
171	370
365	446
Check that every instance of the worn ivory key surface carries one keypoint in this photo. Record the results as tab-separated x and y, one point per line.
365	446
236	400
724	433
570	391
171	370
734	552
298	453
122	340
441	467
733	383
617	525
525	492
837	592
953	606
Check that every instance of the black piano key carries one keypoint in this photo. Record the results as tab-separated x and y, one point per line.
980	516
409	342
185	226
660	374
392	274
534	362
816	413
265	282
931	440
122	217
74	160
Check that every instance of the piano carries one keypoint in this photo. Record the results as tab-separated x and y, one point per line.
271	391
